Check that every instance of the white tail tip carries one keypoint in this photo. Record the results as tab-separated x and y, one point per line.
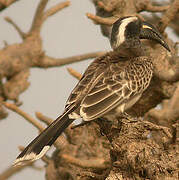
30	157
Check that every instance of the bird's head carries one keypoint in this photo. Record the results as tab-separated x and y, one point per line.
131	28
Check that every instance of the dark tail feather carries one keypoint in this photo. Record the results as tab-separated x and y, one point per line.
40	145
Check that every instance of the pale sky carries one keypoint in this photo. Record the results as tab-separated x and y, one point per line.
67	33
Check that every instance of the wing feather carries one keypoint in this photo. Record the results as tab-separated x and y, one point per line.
102	100
97	110
95	98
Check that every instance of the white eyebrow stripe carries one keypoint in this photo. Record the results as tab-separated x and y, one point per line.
122	27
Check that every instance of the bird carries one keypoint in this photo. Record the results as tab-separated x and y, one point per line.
112	83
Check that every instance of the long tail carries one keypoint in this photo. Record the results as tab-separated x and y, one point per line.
41	144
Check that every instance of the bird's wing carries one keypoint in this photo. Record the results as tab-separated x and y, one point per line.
121	84
111	90
104	86
91	76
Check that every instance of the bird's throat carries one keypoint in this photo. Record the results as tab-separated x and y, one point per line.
133	48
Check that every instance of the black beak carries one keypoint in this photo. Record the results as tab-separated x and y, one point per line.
148	31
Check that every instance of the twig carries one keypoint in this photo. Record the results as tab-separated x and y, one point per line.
12	170
109	7
96	163
74	73
6	3
47	62
146	5
55	9
38	18
41	16
26	116
21	33
100	20
43	118
152	8
169	15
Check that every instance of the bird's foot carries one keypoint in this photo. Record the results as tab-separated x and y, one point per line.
126	118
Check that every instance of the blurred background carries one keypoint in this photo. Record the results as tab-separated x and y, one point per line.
67	33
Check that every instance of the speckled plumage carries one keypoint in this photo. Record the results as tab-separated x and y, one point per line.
109	82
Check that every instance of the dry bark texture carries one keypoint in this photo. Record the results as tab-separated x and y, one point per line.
124	148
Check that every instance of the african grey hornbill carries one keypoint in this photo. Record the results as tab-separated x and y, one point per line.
111	84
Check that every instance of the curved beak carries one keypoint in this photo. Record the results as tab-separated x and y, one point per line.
148	31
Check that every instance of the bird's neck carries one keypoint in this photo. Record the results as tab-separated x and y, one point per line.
131	48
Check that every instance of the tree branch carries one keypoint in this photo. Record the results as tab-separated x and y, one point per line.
21	33
7	173
47	62
26	116
38	18
109	7
100	20
44	118
152	8
55	9
169	15
96	163
146	5
74	73
6	3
